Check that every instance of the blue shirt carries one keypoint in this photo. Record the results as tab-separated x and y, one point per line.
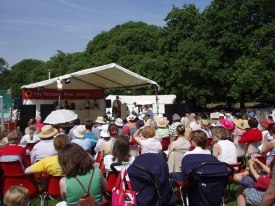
91	137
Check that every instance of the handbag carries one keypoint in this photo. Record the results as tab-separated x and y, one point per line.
122	196
86	199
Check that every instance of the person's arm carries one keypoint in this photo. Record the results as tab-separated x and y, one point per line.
269	196
103	182
267	146
216	150
137	134
262	165
252	170
29	170
62	185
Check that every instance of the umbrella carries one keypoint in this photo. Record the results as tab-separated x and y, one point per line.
60	116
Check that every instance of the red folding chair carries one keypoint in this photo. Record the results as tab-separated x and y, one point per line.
165	142
13	174
52	188
99	157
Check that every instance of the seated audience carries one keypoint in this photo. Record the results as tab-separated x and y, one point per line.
104	136
17	195
44	147
85	143
146	138
71	135
120	154
162	127
77	164
49	165
38	124
253	134
30	138
30	122
119	123
178	148
108	144
12	148
269	146
223	149
173	126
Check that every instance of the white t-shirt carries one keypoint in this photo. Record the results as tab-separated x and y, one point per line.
108	160
150	145
197	150
228	152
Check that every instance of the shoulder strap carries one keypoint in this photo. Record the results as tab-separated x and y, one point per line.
89	185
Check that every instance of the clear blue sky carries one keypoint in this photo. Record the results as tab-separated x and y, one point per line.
38	28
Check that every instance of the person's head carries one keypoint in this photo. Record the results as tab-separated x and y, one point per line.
38	118
180	130
14	137
47	132
60	141
17	195
198	138
74	160
113	130
253	123
32	129
148	132
219	133
176	118
31	122
121	150
77	121
89	124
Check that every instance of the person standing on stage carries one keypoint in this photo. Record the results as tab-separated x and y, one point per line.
116	111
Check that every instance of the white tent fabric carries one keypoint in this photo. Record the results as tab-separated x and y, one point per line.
110	76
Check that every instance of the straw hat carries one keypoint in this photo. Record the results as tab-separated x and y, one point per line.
131	117
100	120
228	124
79	131
240	124
119	122
47	131
204	122
161	122
104	131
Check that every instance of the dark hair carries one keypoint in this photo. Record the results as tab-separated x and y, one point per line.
32	121
253	123
199	137
113	129
60	141
121	150
77	121
180	129
271	128
89	124
74	160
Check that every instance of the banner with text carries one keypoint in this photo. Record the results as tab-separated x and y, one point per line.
42	93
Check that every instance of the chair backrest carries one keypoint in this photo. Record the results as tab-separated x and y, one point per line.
99	157
12	165
252	148
102	167
53	188
111	178
207	183
165	141
240	149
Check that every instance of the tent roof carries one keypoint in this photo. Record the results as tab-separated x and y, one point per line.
110	76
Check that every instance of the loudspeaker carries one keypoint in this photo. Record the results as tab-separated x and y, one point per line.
45	110
171	109
108	103
17	103
27	112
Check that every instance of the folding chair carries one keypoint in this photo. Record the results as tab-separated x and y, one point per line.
52	188
165	142
206	184
13	174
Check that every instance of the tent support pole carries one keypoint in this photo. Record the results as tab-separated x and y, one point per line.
157	99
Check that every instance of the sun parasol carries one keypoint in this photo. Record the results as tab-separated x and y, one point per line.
60	116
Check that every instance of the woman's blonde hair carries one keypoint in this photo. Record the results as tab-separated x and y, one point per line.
16	195
14	137
148	132
220	132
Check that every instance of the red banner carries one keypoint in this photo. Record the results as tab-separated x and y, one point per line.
42	93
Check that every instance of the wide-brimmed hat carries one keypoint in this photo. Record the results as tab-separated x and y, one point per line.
119	122
227	123
240	124
161	122
79	131
47	131
100	120
204	122
104	131
131	117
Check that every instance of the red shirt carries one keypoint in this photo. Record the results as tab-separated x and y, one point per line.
16	150
250	136
262	182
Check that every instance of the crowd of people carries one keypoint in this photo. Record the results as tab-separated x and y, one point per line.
49	149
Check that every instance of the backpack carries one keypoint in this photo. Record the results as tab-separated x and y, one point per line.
86	199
